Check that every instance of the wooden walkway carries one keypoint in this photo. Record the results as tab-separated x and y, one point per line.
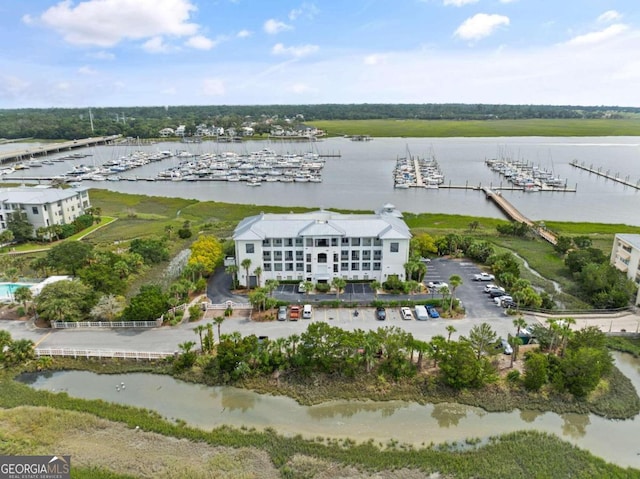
513	214
625	181
35	151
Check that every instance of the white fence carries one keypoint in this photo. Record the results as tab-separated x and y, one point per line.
106	324
100	353
228	304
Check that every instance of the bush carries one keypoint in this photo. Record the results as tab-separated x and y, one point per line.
200	286
323	287
185	233
513	376
195	312
394	285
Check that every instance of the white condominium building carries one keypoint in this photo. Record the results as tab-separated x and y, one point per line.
43	206
625	256
322	245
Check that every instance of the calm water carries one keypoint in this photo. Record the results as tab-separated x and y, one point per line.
209	407
361	178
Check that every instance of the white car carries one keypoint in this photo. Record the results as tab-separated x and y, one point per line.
437	285
490	287
499	299
406	313
484	277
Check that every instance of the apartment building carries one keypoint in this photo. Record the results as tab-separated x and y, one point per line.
625	255
322	245
43	206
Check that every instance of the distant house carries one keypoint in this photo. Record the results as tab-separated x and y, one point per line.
322	245
625	256
43	206
166	132
247	131
180	131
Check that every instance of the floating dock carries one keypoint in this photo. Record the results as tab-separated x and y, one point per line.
624	181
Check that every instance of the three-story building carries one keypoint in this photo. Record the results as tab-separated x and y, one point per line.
625	256
322	245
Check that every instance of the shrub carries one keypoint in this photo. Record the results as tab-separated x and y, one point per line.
323	287
195	312
185	233
513	376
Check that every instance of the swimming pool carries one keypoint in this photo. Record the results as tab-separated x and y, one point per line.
7	290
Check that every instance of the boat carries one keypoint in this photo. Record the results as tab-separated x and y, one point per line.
254	182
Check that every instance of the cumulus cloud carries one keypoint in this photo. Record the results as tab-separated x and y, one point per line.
86	70
243	34
296	52
480	25
200	42
373	59
273	26
300	88
155	45
458	3
307	10
105	23
609	16
599	36
213	87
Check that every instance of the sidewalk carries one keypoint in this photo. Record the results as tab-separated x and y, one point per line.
624	322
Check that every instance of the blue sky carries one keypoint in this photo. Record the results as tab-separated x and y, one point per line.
77	53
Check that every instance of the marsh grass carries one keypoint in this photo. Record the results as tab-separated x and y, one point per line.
479	128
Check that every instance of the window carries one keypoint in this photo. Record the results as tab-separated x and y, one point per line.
277	255
355	266
299	266
249	248
34	210
377	254
322	257
266	256
308	257
377	242
299	256
309	242
394	247
288	242
355	255
345	242
322	243
334	241
366	266
366	241
366	255
277	242
266	242
267	266
344	266
277	266
376	267
344	254
299	242
355	241
288	266
335	268
288	255
308	268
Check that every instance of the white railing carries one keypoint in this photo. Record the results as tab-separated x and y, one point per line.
106	324
100	353
229	304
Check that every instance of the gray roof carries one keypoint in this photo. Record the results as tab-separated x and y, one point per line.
632	239
37	196
385	224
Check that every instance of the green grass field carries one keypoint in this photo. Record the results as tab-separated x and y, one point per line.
487	128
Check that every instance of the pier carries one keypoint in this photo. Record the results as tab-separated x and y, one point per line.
625	181
513	214
36	151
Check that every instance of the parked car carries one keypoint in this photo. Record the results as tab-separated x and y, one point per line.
421	312
484	277
294	313
506	347
432	311
406	313
494	293
509	304
381	313
437	285
282	313
489	287
302	288
499	299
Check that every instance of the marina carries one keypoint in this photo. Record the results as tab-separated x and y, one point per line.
526	176
415	172
607	174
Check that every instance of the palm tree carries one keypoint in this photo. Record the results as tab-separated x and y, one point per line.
270	285
455	281
375	286
450	329
246	264
199	330
258	273
23	295
519	323
339	284
515	343
482	338
218	320
232	269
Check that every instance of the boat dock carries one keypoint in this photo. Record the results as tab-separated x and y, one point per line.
625	181
19	155
513	214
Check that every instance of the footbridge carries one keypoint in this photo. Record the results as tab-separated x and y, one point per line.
43	150
513	214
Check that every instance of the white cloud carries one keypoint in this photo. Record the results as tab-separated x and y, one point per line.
458	3
102	55
27	19
200	42
296	52
155	45
87	70
243	34
480	25
307	10
213	87
301	88
508	1
609	16
273	27
600	36
374	59
107	22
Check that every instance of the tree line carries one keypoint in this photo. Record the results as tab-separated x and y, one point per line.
146	122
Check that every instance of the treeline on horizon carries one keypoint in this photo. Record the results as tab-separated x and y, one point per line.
146	122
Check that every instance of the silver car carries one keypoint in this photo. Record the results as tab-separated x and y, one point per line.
282	313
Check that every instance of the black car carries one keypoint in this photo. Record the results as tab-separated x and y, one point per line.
381	313
494	293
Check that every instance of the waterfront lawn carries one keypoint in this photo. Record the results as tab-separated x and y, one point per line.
480	128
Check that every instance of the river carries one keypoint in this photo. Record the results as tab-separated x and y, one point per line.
361	177
208	407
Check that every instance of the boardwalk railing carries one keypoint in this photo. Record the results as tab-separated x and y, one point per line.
106	324
228	304
101	353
